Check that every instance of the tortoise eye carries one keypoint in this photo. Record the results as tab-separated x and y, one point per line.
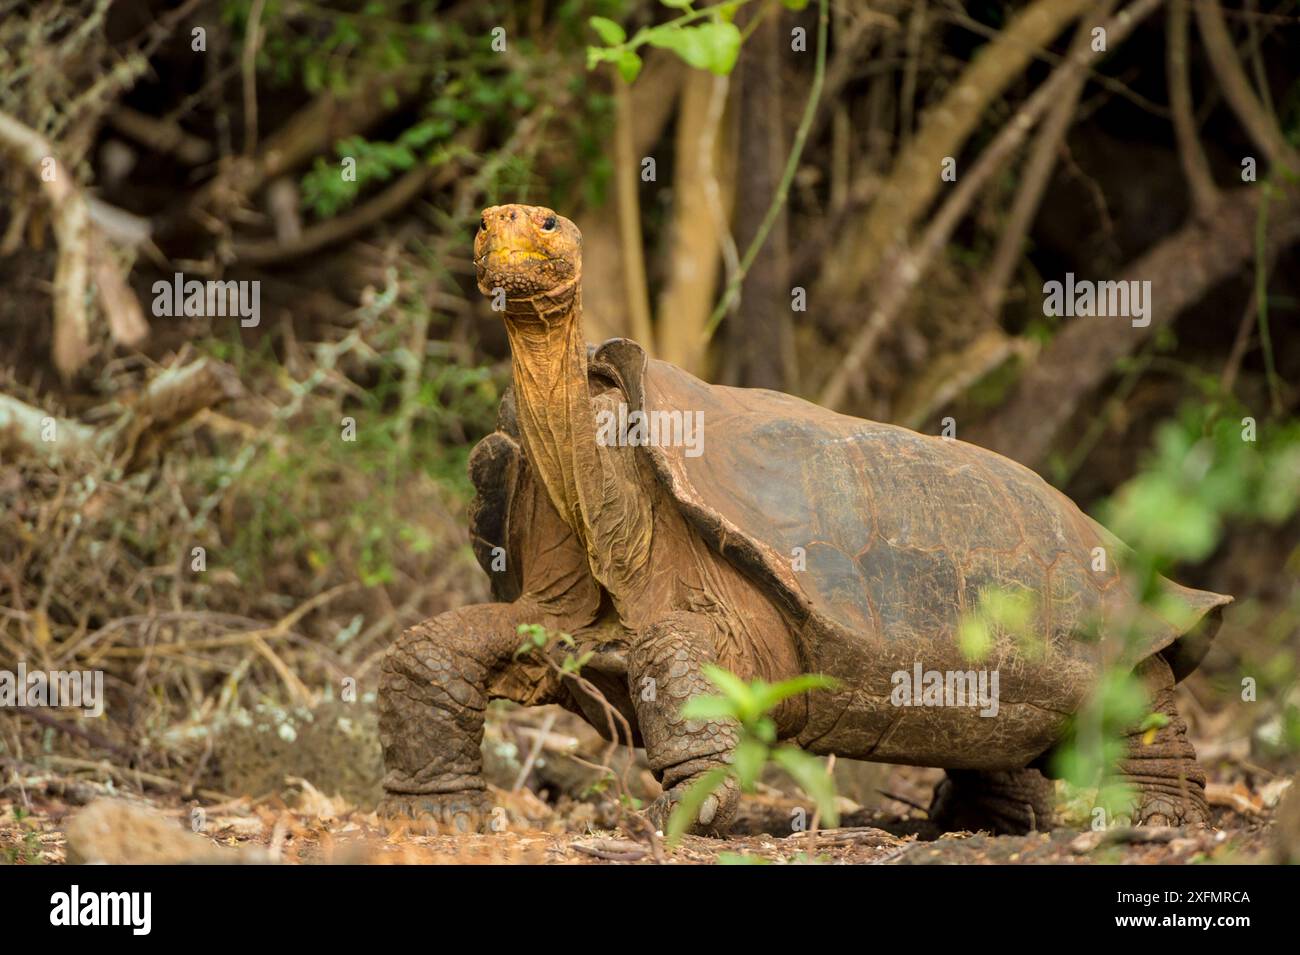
549	224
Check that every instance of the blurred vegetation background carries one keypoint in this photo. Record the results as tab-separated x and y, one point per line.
236	520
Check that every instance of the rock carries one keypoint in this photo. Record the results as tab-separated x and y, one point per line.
116	832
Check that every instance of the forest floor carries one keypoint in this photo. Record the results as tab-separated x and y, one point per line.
50	823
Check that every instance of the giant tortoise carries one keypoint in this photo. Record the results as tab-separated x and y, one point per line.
789	540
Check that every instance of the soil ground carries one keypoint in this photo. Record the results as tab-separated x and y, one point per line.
40	825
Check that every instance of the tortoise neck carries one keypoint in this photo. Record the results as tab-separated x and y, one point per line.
549	369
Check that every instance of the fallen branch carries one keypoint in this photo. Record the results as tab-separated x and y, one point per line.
78	259
612	850
1221	794
136	436
136	777
282	628
45	718
868	836
1124	835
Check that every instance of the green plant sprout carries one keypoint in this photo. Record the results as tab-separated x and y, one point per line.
750	705
537	637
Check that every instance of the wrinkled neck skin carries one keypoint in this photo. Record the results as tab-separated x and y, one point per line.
553	400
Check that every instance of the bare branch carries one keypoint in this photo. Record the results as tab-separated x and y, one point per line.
1205	195
907	268
1181	269
944	129
1037	173
1236	87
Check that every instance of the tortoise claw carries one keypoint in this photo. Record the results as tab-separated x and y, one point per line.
1164	809
450	813
712	818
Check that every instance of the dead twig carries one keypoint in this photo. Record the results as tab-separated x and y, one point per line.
612	850
75	234
1254	117
905	801
534	751
1205	195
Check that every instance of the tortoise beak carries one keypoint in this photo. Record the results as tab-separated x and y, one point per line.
504	244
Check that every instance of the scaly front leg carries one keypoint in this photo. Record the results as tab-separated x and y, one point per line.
435	685
664	672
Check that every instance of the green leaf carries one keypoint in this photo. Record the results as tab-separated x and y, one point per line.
575	665
732	686
722	40
795	5
1153	721
535	637
687	809
611	34
769	695
748	762
709	708
676	4
739	858
1010	609
810	773
709	46
629	66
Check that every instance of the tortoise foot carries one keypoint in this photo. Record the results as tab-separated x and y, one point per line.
1011	802
1160	765
449	813
714	815
1165	805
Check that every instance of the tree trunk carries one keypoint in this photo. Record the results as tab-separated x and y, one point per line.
693	239
761	332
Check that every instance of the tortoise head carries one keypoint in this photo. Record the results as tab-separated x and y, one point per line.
529	252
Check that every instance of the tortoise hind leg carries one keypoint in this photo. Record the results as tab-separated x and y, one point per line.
1160	766
1010	802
